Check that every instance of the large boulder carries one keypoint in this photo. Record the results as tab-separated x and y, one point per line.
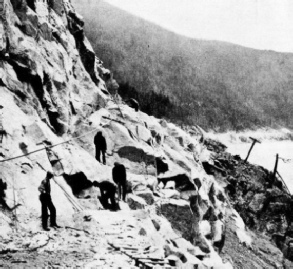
136	182
178	213
146	194
136	202
170	194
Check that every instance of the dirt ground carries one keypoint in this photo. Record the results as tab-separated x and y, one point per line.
85	245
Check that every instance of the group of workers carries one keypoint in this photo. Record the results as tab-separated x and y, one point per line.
107	188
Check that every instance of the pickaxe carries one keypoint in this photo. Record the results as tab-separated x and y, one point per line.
254	141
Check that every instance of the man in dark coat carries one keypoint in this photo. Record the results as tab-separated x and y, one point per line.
45	198
101	146
2	131
119	177
108	191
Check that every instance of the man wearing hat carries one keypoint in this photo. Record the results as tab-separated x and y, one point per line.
45	198
101	146
119	177
2	131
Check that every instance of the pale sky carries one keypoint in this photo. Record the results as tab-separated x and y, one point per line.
260	24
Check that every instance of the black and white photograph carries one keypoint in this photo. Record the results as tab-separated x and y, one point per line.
146	134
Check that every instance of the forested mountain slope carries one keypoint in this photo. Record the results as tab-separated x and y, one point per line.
214	84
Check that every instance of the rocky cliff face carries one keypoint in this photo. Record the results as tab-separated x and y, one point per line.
54	96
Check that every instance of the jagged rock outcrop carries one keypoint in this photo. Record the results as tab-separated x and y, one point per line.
53	90
262	201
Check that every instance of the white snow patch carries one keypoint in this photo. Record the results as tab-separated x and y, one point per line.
241	233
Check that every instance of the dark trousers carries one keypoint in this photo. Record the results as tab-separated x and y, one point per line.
122	190
98	155
105	196
47	204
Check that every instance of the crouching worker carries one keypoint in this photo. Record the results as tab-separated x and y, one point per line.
108	191
45	198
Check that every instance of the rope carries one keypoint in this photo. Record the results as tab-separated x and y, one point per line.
284	183
70	199
48	147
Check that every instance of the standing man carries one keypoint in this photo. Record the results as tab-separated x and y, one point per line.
119	177
101	146
2	131
45	198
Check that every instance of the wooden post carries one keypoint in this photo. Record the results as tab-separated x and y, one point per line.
254	141
276	167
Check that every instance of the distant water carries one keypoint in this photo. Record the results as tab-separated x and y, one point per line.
263	154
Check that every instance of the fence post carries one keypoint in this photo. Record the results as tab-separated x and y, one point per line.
276	167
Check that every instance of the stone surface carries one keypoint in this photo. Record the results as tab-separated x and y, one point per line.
170	194
147	195
136	202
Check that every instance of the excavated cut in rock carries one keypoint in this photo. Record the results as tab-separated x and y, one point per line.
182	182
162	167
197	182
135	155
78	182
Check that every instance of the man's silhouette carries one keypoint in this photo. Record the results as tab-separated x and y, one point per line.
45	198
101	147
119	177
108	191
2	131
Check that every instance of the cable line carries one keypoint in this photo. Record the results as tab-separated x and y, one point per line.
48	147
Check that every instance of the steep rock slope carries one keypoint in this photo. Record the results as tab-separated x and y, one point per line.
45	91
54	95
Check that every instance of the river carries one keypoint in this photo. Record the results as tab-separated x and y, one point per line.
264	154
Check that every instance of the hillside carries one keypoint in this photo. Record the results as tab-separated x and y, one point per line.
214	84
189	204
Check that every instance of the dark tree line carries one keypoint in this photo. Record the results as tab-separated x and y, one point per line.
216	85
